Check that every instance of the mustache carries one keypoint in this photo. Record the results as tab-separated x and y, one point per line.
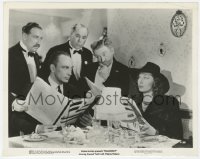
36	45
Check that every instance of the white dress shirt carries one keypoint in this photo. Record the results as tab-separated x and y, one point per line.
76	60
30	62
54	84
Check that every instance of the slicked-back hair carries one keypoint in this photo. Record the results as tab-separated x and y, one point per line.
27	28
53	59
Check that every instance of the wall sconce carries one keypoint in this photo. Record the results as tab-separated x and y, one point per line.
104	33
162	49
132	62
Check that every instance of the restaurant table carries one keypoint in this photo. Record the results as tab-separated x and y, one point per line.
94	139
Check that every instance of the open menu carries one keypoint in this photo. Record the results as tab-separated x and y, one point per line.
136	120
127	111
48	106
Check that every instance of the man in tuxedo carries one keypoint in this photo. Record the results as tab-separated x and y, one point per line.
24	65
81	56
107	72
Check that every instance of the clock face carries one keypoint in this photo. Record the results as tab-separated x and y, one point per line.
178	24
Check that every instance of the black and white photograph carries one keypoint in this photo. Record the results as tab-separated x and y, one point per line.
93	79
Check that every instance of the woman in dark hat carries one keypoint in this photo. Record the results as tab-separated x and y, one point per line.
159	110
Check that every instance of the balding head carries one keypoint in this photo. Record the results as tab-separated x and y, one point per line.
78	36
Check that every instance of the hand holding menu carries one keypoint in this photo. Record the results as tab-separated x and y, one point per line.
48	106
95	89
136	119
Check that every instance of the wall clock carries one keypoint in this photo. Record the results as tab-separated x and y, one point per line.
178	24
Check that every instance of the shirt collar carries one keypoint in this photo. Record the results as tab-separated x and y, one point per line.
53	83
108	67
72	48
23	46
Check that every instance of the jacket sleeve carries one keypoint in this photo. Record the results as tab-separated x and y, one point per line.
45	70
170	119
23	122
13	74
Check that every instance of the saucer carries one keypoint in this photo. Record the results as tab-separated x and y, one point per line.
32	139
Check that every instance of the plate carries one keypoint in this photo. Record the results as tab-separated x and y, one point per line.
39	138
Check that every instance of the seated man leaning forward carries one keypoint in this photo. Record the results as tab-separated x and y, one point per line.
107	72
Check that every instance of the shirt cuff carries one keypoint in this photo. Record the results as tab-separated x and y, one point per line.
13	109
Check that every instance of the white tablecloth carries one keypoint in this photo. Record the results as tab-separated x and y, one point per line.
55	140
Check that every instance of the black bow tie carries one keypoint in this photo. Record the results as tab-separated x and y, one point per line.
31	54
77	51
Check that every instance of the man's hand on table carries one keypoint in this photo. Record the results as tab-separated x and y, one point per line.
18	105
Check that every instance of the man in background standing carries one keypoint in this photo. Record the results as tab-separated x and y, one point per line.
80	56
24	65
